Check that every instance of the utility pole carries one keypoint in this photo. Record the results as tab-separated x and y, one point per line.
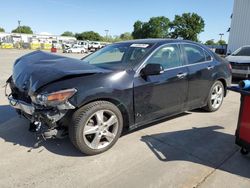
221	35
19	23
106	31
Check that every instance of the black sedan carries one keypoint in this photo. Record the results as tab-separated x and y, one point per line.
118	88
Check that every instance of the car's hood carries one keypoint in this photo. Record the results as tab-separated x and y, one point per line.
36	69
238	59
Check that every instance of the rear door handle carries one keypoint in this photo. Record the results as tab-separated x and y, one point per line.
210	67
181	75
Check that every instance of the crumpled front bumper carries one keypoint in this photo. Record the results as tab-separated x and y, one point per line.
21	105
49	116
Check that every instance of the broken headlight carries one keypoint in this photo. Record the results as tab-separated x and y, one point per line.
54	98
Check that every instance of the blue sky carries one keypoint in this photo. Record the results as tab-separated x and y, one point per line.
56	16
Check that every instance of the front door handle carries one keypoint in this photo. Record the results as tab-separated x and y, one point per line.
181	75
210	67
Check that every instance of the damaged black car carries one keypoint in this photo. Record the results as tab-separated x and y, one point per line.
118	88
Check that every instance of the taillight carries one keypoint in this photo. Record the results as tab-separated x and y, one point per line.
229	66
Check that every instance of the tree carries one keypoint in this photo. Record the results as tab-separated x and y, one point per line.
88	35
126	36
138	32
210	42
23	29
2	29
222	42
187	26
156	27
68	34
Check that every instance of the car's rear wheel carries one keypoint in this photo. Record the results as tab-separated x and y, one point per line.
215	98
96	127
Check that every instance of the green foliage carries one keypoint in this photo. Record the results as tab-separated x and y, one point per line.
138	30
187	26
23	29
126	36
68	34
88	35
2	29
210	42
222	42
156	27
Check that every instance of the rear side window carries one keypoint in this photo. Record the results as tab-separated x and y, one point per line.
194	54
207	56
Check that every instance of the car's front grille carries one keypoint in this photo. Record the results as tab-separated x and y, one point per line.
240	66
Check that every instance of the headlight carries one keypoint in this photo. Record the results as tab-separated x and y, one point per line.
54	98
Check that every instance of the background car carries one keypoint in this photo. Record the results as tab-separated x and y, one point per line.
240	62
93	46
75	49
118	88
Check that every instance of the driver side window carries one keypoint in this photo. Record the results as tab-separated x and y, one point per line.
168	56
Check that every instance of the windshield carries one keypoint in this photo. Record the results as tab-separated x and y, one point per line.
118	56
244	51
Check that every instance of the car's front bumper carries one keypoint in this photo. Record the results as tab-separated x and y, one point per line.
21	105
240	73
240	69
47	115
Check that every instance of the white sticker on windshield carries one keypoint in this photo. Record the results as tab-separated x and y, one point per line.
139	45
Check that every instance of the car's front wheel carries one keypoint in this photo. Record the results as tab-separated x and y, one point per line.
96	127
216	96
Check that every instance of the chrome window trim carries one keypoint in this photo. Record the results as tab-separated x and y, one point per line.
137	72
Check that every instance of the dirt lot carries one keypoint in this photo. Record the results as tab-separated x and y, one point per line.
195	149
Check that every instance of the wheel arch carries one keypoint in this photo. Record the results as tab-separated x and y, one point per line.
125	112
223	81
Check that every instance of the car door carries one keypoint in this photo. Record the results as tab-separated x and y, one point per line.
74	49
201	69
164	94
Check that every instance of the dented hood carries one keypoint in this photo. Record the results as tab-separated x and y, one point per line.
36	69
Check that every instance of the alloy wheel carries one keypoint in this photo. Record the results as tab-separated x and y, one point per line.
100	129
217	96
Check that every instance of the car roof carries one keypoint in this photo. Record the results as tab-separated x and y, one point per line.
157	41
245	46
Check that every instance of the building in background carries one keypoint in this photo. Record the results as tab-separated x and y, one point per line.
240	25
35	41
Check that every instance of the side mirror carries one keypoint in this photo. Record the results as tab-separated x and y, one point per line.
152	69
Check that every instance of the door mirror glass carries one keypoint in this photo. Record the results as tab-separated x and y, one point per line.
152	69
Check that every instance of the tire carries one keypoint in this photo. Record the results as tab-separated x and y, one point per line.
70	51
244	151
90	134
211	107
82	51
